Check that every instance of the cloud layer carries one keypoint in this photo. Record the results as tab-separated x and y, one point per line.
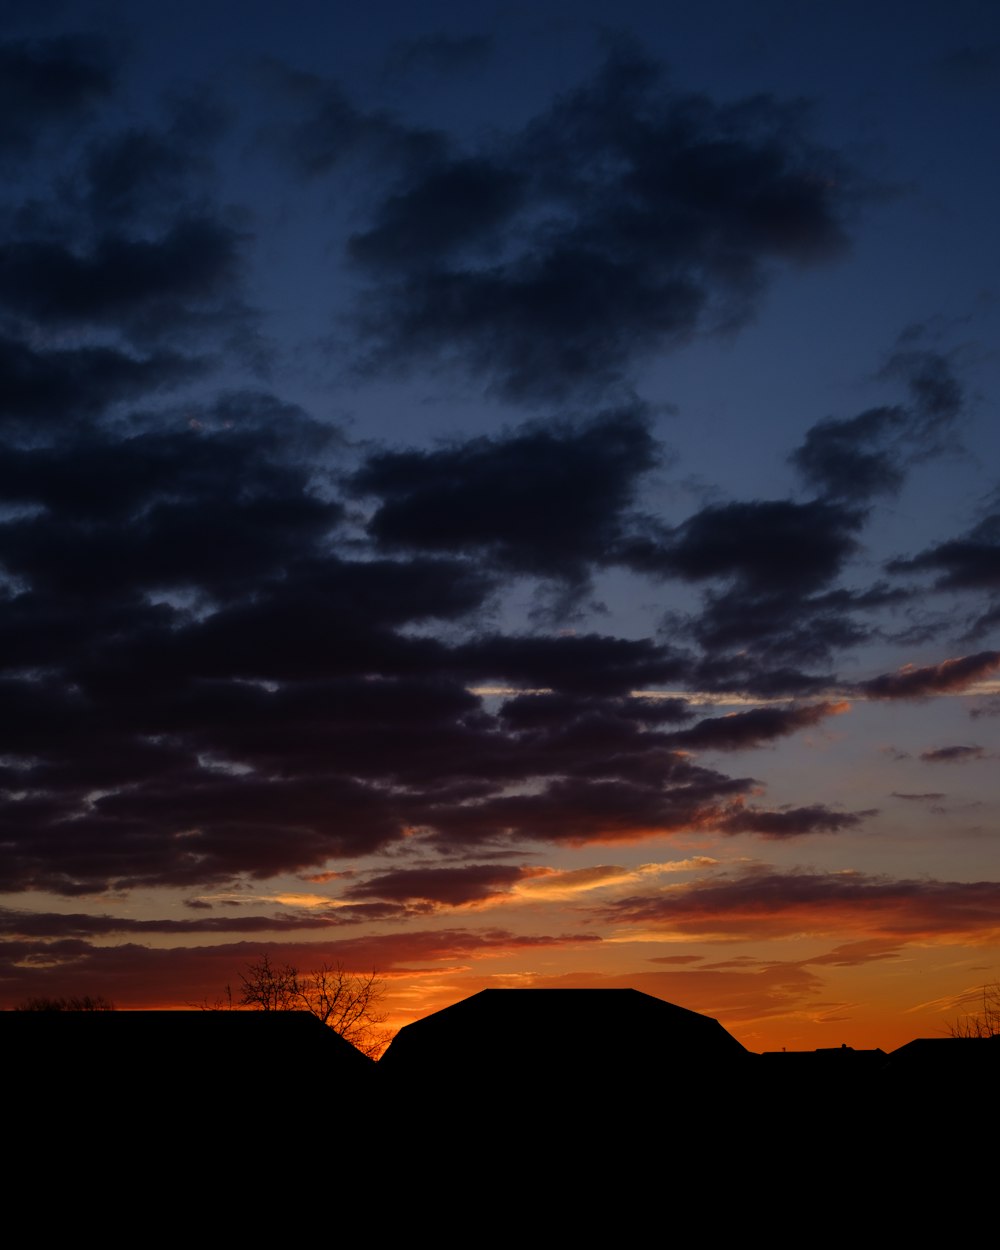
244	646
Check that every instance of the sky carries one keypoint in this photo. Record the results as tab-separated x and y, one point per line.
504	495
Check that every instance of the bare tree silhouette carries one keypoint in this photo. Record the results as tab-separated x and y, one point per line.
347	1002
984	1023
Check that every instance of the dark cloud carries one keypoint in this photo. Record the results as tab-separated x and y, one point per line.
596	808
144	287
580	810
781	629
61	925
49	82
968	563
452	887
42	390
547	499
148	173
615	225
770	547
557	501
928	797
843	459
554	710
868	455
953	755
742	730
944	678
758	676
775	560
452	207
133	512
578	663
793	822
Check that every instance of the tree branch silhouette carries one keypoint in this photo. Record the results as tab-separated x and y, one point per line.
347	1002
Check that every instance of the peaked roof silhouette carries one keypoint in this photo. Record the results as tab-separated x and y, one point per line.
569	1034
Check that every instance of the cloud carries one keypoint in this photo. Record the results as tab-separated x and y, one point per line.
148	173
452	887
588	808
857	954
555	712
133	511
792	822
50	390
860	457
742	730
615	225
47	83
843	459
766	903
547	499
145	287
937	394
771	547
953	755
950	676
774	603
60	925
588	664
968	563
140	976
423	889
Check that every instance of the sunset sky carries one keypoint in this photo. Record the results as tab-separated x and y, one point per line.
504	495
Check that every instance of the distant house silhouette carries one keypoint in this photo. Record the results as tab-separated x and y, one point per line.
961	1066
243	1061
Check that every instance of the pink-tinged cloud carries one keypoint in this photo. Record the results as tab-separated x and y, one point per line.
948	677
762	904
